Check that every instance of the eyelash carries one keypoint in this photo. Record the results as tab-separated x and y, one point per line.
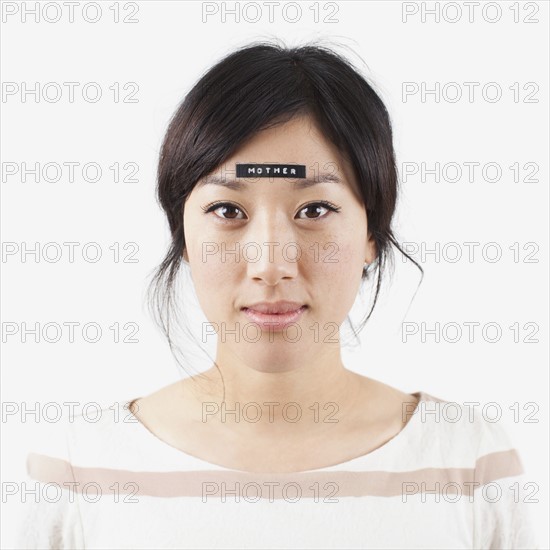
215	205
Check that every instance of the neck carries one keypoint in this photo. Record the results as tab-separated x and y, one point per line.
305	400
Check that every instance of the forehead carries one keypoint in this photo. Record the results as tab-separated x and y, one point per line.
297	143
298	138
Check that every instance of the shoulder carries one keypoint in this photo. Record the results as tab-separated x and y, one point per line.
92	435
48	459
59	464
469	435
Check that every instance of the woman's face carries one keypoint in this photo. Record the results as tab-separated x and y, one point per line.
272	242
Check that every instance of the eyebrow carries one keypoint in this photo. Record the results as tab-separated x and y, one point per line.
300	184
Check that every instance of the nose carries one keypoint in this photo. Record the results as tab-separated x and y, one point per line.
272	253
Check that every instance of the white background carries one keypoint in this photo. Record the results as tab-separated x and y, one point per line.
165	52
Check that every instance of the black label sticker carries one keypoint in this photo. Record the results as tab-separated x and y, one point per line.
271	170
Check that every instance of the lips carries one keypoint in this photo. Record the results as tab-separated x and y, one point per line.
275	307
274	316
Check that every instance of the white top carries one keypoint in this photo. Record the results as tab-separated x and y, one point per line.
439	483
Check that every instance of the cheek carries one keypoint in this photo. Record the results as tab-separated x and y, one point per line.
209	271
346	270
337	283
211	280
342	255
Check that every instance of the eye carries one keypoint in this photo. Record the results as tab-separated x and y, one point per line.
225	207
230	211
314	207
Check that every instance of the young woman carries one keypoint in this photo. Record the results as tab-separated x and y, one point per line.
278	178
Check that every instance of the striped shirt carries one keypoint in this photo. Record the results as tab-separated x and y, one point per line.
444	481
